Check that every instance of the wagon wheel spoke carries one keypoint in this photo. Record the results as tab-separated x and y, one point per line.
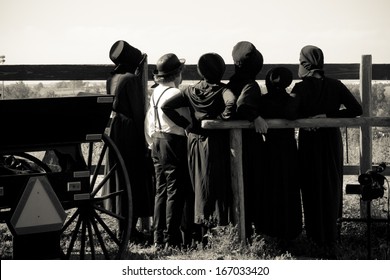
91	240
98	165
74	237
107	229
90	155
83	235
71	219
100	239
110	213
107	197
104	181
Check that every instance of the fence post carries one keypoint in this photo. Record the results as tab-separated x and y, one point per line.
365	130
145	83
144	223
237	181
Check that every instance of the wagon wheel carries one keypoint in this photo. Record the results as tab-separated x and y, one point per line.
99	227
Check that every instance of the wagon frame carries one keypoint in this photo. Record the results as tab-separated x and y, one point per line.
72	160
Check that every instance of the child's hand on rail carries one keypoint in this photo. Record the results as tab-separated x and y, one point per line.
261	125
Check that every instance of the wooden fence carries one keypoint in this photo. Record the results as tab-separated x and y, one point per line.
365	72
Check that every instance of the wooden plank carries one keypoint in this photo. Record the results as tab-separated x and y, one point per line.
338	71
281	123
237	181
365	130
102	72
355	170
381	72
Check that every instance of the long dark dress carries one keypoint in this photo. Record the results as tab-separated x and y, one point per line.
127	131
208	150
321	155
248	93
279	211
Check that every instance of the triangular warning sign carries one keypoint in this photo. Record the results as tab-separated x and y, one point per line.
39	209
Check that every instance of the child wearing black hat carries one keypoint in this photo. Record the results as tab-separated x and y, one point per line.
168	144
208	150
278	212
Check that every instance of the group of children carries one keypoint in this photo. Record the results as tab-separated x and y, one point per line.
192	164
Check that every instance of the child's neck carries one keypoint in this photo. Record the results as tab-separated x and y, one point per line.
170	84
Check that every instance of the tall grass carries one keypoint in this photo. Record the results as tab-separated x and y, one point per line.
224	243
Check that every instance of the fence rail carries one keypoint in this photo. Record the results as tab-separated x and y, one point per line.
102	72
281	123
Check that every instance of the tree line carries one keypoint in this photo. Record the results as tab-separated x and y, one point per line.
21	90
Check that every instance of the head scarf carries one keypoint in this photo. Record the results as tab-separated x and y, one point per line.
311	60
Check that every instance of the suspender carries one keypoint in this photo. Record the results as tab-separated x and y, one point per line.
156	117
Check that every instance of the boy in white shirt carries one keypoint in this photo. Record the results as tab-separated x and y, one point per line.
168	144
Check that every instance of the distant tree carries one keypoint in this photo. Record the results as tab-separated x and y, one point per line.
38	87
355	90
18	90
380	103
62	84
95	88
78	84
75	84
378	99
50	93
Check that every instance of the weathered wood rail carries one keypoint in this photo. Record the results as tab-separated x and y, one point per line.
365	72
95	72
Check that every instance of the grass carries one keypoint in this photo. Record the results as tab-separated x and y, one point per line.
225	245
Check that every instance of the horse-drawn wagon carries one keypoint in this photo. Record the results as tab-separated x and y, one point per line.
54	155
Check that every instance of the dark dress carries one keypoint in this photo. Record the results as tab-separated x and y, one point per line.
127	131
279	212
248	93
321	155
208	150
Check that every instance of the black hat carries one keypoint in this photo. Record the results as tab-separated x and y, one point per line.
122	53
168	64
245	55
211	67
278	77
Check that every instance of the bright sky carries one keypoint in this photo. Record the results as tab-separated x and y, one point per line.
82	31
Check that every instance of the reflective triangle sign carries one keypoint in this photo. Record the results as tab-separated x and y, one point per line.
39	209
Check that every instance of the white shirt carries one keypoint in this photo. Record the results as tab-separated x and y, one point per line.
167	126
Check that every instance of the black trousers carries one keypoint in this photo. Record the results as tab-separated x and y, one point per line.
169	154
